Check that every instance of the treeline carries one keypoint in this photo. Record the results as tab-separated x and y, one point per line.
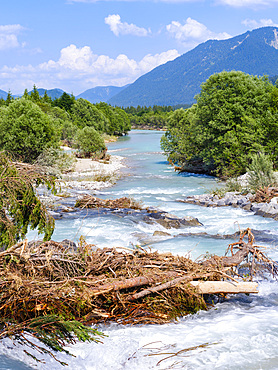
154	117
32	124
235	118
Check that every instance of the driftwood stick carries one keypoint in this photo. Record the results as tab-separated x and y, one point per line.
234	260
226	287
168	284
124	284
129	283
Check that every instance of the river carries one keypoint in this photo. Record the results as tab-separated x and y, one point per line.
238	333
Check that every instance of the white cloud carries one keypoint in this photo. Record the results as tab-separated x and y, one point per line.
252	23
247	3
191	33
8	36
79	69
123	28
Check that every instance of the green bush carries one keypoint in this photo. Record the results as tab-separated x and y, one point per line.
55	161
26	131
260	172
89	141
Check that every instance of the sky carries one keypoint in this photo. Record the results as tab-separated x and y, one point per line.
76	45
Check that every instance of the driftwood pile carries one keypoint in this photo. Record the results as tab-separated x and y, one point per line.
264	195
94	285
90	285
89	201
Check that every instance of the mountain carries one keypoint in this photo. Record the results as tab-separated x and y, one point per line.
100	93
177	82
52	93
3	94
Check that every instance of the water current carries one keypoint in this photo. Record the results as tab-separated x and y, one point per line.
238	333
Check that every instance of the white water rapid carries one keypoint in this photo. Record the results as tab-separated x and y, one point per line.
238	333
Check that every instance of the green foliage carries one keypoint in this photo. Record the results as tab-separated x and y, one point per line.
260	172
178	81
118	120
65	101
20	207
232	119
84	113
55	161
53	331
26	130
89	141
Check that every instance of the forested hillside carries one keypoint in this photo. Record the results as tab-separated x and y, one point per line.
177	82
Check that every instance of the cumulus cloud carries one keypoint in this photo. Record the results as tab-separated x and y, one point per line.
191	33
123	28
79	69
9	36
252	23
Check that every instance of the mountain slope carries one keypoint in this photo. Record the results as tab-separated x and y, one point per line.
177	82
3	94
52	93
100	93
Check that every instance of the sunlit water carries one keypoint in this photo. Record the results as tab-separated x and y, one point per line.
240	333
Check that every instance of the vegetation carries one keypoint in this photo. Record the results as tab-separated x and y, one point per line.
26	130
236	116
178	81
20	208
89	141
32	124
153	118
260	172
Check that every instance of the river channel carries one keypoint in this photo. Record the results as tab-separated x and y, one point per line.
240	332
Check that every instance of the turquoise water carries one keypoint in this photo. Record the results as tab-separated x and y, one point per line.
242	332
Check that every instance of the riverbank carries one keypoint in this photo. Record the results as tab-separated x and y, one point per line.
247	202
90	174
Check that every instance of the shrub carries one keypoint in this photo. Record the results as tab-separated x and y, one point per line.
260	172
26	131
89	141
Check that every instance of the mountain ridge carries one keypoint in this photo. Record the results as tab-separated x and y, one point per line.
178	81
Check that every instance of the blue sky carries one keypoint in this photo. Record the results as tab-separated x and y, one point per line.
79	44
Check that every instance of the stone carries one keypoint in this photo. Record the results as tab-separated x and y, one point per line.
161	233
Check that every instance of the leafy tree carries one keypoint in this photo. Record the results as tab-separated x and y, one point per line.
65	101
118	120
89	141
233	119
25	130
84	113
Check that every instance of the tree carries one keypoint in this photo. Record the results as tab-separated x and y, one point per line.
65	101
84	113
89	141
233	119
20	207
25	130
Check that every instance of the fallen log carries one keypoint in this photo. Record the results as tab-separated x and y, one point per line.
224	287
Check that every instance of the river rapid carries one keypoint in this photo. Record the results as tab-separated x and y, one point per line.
238	333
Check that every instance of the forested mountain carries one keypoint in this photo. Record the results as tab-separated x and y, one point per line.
3	94
177	82
52	93
100	93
